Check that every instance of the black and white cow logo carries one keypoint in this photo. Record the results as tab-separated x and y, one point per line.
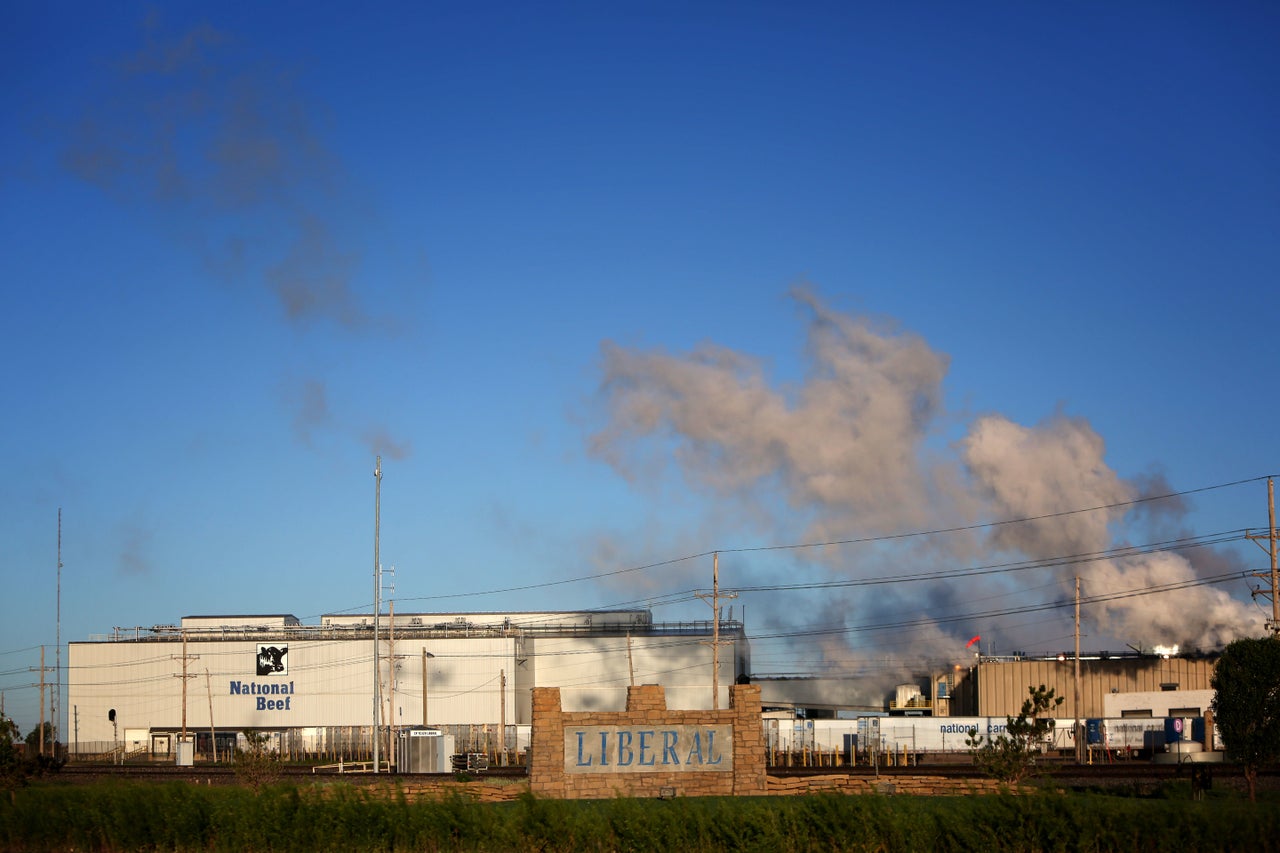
271	660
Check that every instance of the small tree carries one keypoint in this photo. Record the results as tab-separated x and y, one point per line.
1011	755
15	766
50	740
12	767
257	764
1246	704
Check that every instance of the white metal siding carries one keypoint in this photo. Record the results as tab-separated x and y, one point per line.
330	683
593	673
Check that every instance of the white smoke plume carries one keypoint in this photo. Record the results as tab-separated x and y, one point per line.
1036	472
845	445
1199	617
1058	467
851	452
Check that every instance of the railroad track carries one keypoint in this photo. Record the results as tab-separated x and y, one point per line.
1134	774
223	774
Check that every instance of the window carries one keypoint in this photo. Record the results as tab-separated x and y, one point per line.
1184	712
1137	712
1169	686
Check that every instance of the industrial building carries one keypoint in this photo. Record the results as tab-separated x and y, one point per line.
313	688
1126	700
1150	683
1111	685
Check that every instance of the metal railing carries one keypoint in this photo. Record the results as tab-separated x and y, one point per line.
438	631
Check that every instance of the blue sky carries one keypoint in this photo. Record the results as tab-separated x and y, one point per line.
573	270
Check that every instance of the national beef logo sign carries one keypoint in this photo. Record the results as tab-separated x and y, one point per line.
271	660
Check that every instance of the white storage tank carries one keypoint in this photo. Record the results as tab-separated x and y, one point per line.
908	695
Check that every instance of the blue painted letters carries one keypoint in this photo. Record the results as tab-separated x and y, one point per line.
625	754
645	736
669	748
634	749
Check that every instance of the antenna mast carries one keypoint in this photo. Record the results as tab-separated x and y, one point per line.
377	609
57	654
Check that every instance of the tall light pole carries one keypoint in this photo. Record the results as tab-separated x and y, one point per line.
377	607
57	702
1077	730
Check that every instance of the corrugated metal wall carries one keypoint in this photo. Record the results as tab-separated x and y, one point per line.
593	673
1003	685
324	683
329	682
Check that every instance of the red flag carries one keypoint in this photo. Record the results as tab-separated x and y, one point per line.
971	642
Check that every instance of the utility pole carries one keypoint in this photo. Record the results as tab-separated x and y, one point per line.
392	667
714	601
184	657
502	714
1079	735
213	737
42	670
631	665
377	607
1273	576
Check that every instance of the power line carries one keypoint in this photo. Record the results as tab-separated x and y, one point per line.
824	544
1016	566
991	614
983	525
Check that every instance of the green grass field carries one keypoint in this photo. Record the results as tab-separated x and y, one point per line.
117	816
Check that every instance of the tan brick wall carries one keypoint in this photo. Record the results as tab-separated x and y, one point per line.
924	786
481	792
506	791
419	789
646	706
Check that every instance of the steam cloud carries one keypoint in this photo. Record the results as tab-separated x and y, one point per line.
135	541
851	453
380	443
309	399
179	129
225	147
846	447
